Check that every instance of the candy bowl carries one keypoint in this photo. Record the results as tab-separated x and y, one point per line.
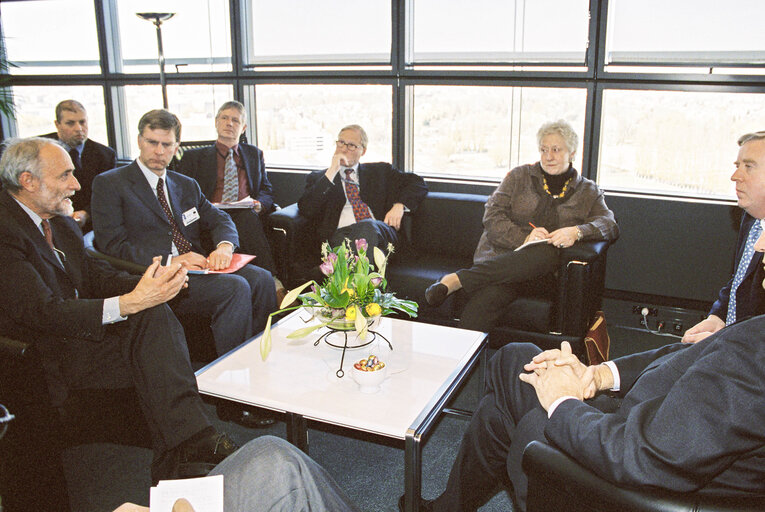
369	374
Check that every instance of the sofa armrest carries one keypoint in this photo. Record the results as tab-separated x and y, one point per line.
581	278
118	263
558	482
10	348
292	239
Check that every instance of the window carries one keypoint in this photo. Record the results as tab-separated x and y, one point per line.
298	124
483	132
702	33
49	37
330	31
195	105
526	31
197	38
674	142
36	108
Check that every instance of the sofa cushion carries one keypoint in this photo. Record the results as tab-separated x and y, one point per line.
448	225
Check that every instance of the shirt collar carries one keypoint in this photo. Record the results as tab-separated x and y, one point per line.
354	173
32	215
151	177
68	148
223	149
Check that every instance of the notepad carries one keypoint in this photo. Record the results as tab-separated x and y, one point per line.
533	242
204	494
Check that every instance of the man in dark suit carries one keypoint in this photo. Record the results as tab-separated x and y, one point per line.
89	157
232	175
353	200
142	210
742	297
685	417
92	326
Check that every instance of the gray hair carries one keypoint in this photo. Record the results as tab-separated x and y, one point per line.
751	136
22	155
562	128
236	106
362	134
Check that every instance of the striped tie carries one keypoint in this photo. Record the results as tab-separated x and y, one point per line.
230	179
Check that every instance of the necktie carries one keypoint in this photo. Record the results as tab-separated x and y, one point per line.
743	264
180	241
360	208
48	234
75	155
230	179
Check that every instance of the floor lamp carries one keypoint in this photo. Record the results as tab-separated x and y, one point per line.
157	18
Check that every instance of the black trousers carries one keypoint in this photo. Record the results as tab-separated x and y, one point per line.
508	418
147	352
494	283
375	232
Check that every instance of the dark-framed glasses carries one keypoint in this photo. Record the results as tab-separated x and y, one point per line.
349	145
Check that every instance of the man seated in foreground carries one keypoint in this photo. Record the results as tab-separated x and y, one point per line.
92	326
270	474
684	417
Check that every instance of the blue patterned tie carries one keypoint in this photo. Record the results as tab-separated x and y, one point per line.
743	264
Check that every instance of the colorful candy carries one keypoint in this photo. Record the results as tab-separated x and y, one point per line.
370	364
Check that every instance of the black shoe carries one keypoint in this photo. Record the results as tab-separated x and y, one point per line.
207	446
233	412
436	294
425	505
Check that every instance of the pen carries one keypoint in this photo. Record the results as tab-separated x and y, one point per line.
532	225
169	259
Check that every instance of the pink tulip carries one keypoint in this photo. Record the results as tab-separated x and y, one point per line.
327	268
376	281
361	244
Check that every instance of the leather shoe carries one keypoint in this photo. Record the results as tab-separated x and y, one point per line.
234	412
436	294
425	505
207	447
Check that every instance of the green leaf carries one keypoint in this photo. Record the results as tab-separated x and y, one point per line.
304	331
265	341
360	323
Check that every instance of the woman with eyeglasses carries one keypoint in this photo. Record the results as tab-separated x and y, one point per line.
537	210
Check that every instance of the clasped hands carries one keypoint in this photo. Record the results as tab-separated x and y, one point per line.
558	373
563	237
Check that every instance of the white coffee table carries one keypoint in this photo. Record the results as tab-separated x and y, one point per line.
427	365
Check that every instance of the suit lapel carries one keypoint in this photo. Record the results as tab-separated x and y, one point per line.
244	152
174	191
143	191
208	178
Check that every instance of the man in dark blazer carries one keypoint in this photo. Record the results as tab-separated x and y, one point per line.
250	198
748	297
385	194
90	158
685	417
92	326
130	222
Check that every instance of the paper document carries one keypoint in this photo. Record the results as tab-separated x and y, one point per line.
532	242
237	262
204	494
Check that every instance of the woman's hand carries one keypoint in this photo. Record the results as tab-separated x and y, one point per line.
564	237
537	234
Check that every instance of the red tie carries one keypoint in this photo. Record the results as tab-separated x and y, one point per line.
360	208
48	234
180	241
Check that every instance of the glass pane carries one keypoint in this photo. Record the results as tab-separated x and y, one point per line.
500	30
49	37
36	108
675	142
296	31
298	124
197	38
195	106
686	31
478	131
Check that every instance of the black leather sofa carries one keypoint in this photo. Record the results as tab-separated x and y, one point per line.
440	237
558	482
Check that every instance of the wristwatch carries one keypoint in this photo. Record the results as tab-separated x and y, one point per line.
579	234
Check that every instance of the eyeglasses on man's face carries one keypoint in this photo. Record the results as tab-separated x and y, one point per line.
350	145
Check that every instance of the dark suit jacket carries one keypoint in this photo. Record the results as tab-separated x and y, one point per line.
41	302
380	186
201	164
130	224
692	417
96	158
750	296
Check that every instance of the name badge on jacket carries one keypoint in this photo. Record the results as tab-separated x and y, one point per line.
189	216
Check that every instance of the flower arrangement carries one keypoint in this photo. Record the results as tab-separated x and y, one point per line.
353	293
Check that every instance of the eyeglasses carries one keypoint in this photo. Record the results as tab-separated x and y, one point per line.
555	150
5	418
349	145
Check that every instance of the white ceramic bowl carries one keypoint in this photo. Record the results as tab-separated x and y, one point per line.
369	382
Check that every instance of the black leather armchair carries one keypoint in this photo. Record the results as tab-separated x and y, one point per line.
440	237
558	482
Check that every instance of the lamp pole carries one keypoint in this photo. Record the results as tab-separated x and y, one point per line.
157	18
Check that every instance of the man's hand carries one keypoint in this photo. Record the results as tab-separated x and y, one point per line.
80	217
556	382
598	379
537	234
191	261
703	329
338	160
394	216
130	507
157	286
564	237
220	258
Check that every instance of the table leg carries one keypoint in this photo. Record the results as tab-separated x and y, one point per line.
412	472
297	431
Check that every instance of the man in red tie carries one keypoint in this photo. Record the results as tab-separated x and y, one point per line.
353	200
